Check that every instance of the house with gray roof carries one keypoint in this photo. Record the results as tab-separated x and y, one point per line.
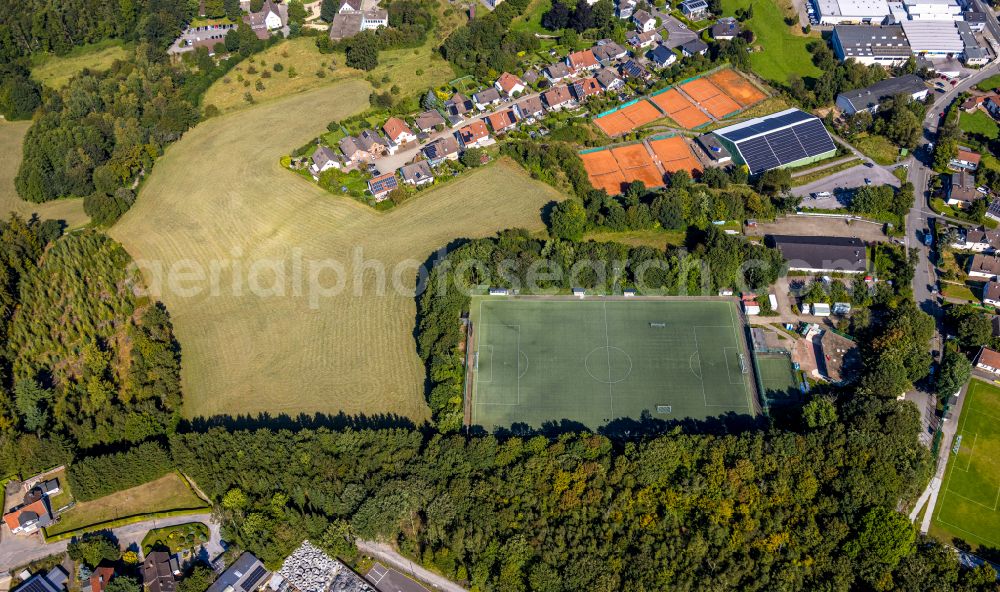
428	121
416	174
246	574
869	98
445	148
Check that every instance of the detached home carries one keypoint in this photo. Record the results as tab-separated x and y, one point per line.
382	185
984	267
530	108
582	61
475	135
988	360
32	514
364	147
458	105
644	22
609	79
585	88
608	51
486	98
962	190
725	29
694	9
416	174
501	121
662	56
991	294
398	132
637	40
324	159
429	121
557	98
555	72
509	84
442	149
693	48
978	240
965	159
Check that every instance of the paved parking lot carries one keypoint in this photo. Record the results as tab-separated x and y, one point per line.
841	184
386	579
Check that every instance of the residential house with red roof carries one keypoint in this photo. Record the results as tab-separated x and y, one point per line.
34	513
475	135
585	88
398	132
382	185
557	98
582	61
502	120
509	85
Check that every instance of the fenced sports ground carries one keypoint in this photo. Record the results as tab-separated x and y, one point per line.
592	361
611	168
777	378
691	104
968	506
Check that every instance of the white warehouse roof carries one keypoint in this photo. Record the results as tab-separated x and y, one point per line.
846	9
933	37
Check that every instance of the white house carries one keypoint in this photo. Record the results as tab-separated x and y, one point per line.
991	294
644	22
509	85
324	159
988	360
373	19
750	305
984	267
978	240
398	132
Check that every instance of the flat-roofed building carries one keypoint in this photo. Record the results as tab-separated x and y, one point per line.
884	45
838	12
933	10
933	38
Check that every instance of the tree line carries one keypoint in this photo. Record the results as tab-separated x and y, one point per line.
96	476
804	507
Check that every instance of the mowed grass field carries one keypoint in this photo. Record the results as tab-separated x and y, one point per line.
413	70
169	492
979	122
782	49
55	71
542	360
968	506
11	139
220	195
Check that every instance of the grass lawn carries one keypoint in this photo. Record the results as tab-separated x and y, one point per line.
782	49
959	291
169	492
988	84
176	538
11	138
968	506
979	122
878	148
658	237
65	494
350	350
531	20
55	71
413	70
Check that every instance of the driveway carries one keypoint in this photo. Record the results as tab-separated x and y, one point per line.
18	550
842	185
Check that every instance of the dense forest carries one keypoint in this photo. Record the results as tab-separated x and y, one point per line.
97	135
810	508
32	26
90	362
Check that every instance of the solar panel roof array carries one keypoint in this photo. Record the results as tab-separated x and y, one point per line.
777	141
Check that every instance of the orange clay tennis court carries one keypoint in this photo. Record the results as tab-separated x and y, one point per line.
680	109
637	165
720	106
674	155
737	87
700	89
611	169
628	119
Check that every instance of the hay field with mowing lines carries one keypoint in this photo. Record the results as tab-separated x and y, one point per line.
11	138
594	361
968	506
220	195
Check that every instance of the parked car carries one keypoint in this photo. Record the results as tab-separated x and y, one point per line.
870	164
868	181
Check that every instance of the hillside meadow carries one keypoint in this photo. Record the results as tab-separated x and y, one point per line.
220	197
11	138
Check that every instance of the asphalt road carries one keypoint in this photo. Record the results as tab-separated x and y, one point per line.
18	550
390	557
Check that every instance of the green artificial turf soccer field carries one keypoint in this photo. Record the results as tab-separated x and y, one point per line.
778	378
968	506
593	361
